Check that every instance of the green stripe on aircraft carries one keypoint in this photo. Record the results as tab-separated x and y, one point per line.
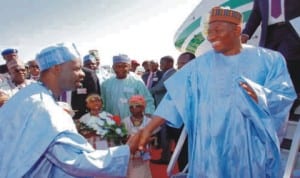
235	3
246	15
195	42
182	37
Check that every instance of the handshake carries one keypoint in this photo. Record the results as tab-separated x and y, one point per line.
139	140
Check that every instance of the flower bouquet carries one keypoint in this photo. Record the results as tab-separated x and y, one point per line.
85	130
110	128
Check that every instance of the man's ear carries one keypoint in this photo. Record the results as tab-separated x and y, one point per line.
238	29
56	69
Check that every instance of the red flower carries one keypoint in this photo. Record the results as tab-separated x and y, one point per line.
117	119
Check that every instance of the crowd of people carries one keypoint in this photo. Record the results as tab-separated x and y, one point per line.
234	101
95	96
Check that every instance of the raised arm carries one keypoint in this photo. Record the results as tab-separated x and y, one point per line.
146	133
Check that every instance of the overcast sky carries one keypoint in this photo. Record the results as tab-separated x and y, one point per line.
143	29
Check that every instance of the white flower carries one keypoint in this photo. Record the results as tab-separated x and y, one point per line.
94	126
92	120
110	122
118	131
100	122
104	115
101	131
105	127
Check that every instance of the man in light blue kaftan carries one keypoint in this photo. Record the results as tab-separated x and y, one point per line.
226	128
39	139
116	90
233	100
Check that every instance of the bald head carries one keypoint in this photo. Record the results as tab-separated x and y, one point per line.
184	58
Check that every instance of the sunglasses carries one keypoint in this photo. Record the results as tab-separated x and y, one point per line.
34	66
20	70
94	100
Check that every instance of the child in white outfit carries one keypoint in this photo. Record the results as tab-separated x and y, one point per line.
95	114
139	162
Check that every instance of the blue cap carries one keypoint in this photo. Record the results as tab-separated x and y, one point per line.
9	51
121	58
89	58
57	54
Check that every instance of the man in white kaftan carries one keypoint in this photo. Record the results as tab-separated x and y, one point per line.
16	80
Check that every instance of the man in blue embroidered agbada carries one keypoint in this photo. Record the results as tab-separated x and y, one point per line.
233	100
39	139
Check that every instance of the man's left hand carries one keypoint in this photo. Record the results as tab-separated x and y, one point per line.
250	91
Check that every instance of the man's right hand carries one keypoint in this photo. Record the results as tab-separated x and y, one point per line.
244	38
133	142
145	137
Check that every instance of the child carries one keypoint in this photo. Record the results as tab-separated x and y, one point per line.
139	163
95	115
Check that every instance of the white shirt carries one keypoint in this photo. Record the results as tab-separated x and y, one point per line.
9	88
